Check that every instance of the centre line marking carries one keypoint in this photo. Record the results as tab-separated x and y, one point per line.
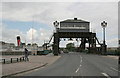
114	69
77	70
80	65
106	75
81	61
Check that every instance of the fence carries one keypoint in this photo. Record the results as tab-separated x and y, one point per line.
12	60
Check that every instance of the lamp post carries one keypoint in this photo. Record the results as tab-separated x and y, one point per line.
56	24
104	24
56	39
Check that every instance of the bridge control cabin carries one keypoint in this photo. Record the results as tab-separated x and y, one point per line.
76	28
74	25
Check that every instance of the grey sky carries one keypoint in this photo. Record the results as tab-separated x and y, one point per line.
94	12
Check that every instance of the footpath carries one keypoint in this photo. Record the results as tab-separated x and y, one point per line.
33	63
111	56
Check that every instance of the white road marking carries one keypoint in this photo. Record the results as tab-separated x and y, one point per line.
80	65
114	69
106	75
81	61
77	70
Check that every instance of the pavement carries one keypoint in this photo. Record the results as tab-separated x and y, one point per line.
111	56
77	64
33	63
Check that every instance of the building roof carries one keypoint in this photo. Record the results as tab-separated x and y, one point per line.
75	20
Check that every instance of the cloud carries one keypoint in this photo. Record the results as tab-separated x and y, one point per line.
39	36
9	35
60	0
112	42
47	12
32	34
28	11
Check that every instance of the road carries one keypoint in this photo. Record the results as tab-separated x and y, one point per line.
77	64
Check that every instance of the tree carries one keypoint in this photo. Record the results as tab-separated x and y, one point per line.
70	46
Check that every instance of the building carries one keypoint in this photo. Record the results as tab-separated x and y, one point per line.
74	25
40	48
112	48
6	45
34	49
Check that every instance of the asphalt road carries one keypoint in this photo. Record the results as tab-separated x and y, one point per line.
77	64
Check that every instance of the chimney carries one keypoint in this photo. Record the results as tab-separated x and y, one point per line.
75	18
18	40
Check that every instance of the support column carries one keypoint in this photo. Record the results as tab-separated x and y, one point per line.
56	44
82	45
89	49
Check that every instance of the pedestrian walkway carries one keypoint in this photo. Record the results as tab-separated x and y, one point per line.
34	62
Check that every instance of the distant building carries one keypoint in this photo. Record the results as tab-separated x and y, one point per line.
7	45
112	48
29	44
34	49
10	47
23	45
40	48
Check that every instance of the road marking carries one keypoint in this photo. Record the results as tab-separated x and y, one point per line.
77	70
81	61
114	69
80	64
106	75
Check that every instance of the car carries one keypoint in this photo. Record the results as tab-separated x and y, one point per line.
65	51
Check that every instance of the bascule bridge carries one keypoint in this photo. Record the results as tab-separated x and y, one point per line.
75	28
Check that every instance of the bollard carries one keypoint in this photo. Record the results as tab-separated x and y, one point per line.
119	60
20	58
23	58
11	60
17	59
4	61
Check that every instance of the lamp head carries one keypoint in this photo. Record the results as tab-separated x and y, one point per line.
104	24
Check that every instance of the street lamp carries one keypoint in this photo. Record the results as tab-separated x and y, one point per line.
104	24
56	24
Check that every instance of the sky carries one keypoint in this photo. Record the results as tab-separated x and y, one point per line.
21	18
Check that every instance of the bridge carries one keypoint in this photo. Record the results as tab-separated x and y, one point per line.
76	28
